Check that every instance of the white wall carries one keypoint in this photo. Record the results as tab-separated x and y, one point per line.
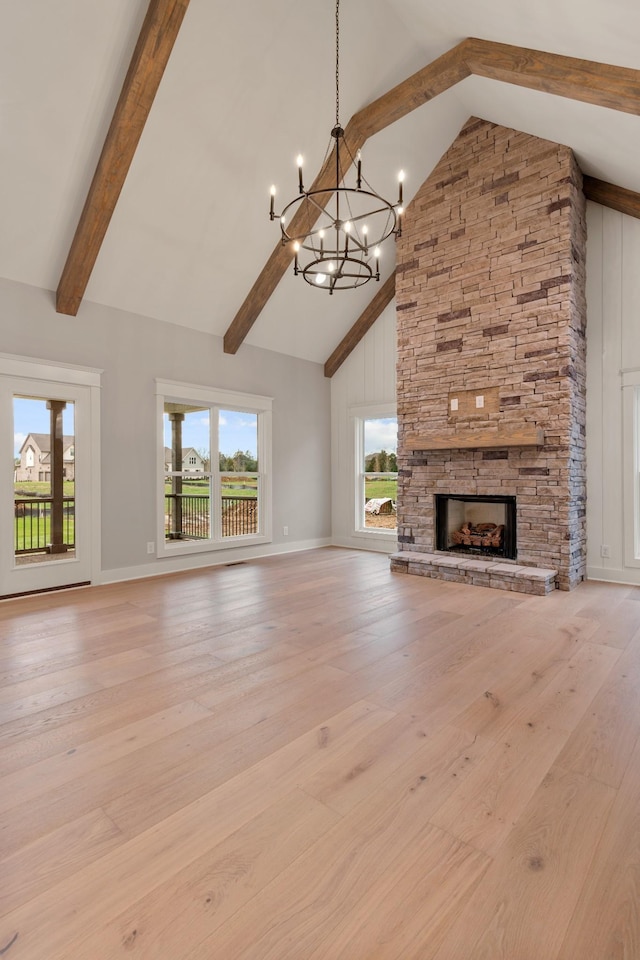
613	352
134	350
368	376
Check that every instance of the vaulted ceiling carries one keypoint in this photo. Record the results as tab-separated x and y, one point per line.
246	88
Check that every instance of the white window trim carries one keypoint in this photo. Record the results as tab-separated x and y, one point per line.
178	392
631	467
357	415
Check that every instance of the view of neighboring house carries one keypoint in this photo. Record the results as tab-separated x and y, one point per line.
191	460
35	458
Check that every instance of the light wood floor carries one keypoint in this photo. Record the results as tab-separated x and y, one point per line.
309	758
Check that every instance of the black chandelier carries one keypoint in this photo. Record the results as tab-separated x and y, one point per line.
340	249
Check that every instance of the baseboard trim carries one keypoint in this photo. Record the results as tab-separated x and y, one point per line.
164	566
615	575
387	545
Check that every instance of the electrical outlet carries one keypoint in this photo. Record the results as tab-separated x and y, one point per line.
454	403
605	551
285	531
151	547
479	402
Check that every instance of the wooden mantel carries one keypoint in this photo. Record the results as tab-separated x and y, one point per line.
523	435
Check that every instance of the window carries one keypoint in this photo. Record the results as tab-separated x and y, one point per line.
376	444
215	467
631	472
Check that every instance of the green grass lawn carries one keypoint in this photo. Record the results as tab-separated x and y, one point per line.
375	489
28	538
26	489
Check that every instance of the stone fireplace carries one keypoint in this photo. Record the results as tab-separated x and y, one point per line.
490	296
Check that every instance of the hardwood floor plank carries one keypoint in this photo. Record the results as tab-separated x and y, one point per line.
482	811
524	904
48	775
606	921
602	744
171	771
408	915
194	902
108	708
309	756
60	915
50	859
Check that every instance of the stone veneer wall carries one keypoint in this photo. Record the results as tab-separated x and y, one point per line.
490	292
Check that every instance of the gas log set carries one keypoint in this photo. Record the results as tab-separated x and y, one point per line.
479	535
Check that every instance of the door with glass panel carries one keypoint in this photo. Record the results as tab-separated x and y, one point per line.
46	485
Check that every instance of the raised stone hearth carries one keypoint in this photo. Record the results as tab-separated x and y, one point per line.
478	573
491	354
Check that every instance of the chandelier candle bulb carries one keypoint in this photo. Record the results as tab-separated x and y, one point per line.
299	162
272	211
321	235
359	177
296	247
365	231
400	182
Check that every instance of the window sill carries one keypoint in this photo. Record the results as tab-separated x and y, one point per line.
179	549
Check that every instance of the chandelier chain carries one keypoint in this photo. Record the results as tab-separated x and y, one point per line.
337	63
336	229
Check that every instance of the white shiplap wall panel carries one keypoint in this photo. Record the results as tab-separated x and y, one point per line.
613	345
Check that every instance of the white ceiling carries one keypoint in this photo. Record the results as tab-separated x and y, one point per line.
249	86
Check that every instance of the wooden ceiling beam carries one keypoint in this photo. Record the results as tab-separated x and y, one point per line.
365	321
609	195
602	84
617	88
419	88
155	43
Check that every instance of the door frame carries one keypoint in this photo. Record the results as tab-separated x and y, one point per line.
13	367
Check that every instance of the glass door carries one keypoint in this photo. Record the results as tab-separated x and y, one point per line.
47	482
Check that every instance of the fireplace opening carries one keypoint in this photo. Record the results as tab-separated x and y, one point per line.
479	526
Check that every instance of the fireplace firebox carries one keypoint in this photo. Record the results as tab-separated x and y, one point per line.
479	526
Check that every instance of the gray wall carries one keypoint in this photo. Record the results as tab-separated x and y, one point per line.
134	350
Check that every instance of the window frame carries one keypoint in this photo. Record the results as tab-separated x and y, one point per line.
216	399
358	415
631	467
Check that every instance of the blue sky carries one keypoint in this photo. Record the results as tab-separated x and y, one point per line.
237	431
32	416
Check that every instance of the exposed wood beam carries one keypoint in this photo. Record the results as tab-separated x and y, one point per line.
365	321
599	83
617	88
607	194
419	88
155	43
